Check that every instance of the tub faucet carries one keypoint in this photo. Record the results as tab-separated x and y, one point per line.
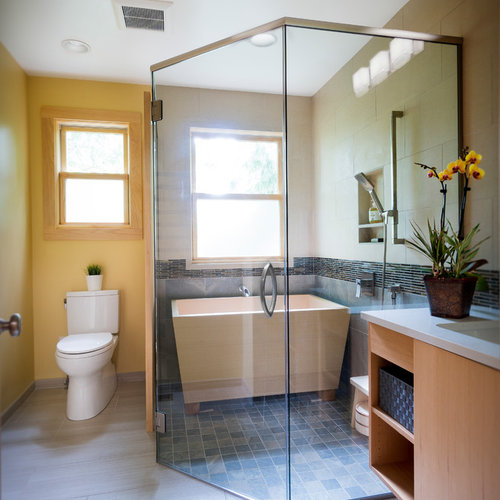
244	291
395	289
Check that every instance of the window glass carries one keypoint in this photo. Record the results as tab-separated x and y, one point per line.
92	174
95	201
238	228
237	195
232	165
94	152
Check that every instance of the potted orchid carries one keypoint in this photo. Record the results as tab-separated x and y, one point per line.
451	286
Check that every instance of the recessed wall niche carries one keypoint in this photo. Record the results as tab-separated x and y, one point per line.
370	232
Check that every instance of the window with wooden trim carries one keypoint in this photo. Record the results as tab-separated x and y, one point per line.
92	174
237	195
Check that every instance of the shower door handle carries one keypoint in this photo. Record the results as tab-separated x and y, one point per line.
13	325
268	270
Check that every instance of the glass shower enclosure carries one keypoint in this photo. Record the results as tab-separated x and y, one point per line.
261	232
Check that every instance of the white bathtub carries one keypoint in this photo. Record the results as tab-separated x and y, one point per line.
227	348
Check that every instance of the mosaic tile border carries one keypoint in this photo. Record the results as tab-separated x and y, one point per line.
408	275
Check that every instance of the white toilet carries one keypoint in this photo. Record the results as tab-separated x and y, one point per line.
85	354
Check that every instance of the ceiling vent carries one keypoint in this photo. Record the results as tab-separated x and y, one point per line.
141	14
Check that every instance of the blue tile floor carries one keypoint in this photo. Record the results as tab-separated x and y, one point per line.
240	445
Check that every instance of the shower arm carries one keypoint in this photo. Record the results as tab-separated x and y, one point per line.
394	180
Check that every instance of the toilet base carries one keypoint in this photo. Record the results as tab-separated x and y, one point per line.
89	395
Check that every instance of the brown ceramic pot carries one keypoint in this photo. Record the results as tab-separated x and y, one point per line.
450	297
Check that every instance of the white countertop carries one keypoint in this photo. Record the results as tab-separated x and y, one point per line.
476	337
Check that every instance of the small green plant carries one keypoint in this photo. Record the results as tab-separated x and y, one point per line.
94	269
463	252
450	255
433	246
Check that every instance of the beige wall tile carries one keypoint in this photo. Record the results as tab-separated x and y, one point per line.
425	134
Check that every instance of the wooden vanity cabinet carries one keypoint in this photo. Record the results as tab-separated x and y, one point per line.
457	426
454	452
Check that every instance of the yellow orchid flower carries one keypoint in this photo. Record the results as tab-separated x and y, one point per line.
457	166
476	172
445	175
431	174
473	158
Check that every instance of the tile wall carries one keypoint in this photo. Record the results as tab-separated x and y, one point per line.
333	279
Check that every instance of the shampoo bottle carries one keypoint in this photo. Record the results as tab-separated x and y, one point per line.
374	215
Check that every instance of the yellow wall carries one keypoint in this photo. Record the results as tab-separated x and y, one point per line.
16	354
58	266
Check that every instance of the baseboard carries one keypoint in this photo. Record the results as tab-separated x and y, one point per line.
8	412
50	383
57	383
131	377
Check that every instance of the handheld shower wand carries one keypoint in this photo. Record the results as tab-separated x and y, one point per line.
368	186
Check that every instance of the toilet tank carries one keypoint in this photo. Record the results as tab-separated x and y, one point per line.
92	312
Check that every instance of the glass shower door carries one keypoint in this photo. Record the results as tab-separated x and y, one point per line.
262	232
219	252
355	104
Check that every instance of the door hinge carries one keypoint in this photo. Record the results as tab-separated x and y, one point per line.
156	110
160	422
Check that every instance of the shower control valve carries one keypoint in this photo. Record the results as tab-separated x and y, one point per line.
365	285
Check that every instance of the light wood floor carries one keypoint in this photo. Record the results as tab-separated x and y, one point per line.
46	456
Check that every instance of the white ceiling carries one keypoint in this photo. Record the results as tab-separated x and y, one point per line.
32	31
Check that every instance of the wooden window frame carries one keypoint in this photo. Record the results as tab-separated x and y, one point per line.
195	196
54	122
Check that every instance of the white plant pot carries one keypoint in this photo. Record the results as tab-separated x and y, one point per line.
94	282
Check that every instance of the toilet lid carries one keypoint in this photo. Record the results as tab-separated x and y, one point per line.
84	342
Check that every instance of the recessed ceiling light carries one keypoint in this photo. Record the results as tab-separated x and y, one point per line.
75	46
263	40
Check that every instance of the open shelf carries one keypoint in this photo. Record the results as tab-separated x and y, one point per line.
391	444
393	423
367	231
398	476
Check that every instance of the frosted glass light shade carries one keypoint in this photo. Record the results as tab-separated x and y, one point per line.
418	46
361	81
400	50
379	67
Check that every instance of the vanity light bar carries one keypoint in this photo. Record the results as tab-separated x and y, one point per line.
385	62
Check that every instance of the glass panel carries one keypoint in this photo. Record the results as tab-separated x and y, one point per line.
94	152
220	359
95	201
338	125
221	369
226	165
238	228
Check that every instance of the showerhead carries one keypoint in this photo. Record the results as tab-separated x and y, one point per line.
368	186
364	181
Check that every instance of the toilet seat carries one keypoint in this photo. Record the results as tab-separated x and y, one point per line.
84	343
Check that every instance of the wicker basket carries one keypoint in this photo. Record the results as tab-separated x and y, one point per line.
396	394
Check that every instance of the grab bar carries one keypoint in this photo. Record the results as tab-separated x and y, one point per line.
268	269
394	179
